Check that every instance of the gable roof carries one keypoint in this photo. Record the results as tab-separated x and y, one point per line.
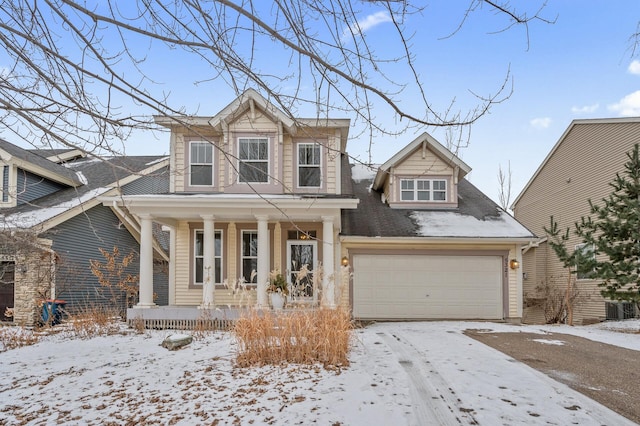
249	100
103	176
37	164
427	142
477	216
574	123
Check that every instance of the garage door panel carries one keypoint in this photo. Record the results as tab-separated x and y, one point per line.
427	287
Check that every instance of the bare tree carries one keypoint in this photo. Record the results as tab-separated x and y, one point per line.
85	74
504	182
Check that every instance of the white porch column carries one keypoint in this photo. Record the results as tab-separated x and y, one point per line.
209	265
146	263
328	256
263	259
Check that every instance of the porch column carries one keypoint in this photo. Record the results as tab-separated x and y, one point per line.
263	259
209	266
146	263
328	277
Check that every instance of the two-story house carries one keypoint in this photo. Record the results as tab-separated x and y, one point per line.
253	191
579	167
53	224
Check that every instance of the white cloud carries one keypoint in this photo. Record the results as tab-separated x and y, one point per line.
587	109
541	122
628	106
634	67
365	24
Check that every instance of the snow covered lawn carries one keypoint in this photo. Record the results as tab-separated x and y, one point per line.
400	373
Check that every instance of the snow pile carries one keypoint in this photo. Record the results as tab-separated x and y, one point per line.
360	172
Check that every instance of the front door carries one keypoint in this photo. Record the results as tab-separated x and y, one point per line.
301	261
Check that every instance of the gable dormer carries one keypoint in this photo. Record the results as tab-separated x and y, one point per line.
423	175
27	176
251	146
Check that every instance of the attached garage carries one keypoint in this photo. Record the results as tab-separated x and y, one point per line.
427	286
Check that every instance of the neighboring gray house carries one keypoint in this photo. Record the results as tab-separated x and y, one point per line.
53	225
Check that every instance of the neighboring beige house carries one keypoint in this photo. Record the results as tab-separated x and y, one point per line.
580	167
254	191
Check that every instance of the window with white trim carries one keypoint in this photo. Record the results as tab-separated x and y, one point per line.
585	255
309	160
423	190
253	160
200	164
249	253
198	257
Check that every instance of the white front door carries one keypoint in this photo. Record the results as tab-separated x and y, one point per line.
302	260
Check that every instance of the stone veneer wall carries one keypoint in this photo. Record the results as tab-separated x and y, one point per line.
33	279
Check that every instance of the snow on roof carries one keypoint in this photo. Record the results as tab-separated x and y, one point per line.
452	224
82	178
360	172
37	217
159	160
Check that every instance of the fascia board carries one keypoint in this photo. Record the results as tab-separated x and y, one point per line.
436	240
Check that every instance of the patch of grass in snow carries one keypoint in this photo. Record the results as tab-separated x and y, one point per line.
295	336
15	337
94	320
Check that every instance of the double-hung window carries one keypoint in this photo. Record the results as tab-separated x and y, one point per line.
249	253
423	190
200	164
309	174
198	257
253	157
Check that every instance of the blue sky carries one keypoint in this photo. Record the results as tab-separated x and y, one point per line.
578	67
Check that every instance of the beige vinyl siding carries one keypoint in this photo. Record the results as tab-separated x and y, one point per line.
179	171
330	173
581	168
184	295
514	296
421	164
287	172
259	123
416	166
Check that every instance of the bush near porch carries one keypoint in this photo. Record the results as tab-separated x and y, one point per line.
298	336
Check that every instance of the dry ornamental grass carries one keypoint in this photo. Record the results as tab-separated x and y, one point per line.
296	336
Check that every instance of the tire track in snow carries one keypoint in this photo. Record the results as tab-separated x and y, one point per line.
434	403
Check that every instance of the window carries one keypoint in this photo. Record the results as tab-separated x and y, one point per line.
308	165
254	160
200	164
249	256
585	256
198	257
423	190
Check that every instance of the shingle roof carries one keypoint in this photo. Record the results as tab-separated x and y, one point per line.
39	161
97	172
373	218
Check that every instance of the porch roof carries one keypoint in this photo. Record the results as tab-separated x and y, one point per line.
169	208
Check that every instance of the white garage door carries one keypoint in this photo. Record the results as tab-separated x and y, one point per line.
427	287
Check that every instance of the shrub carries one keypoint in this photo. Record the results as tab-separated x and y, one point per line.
16	337
95	320
297	336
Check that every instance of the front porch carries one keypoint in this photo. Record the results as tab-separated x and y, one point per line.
223	249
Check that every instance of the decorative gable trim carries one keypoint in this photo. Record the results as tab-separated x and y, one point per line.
425	142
